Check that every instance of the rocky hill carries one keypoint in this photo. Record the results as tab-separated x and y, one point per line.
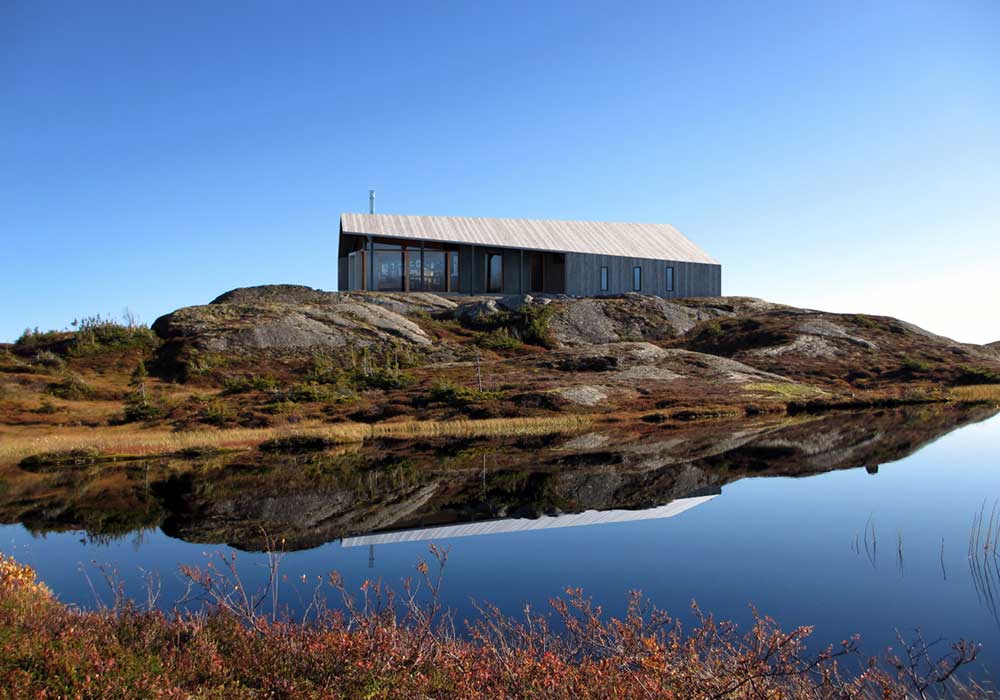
283	357
610	344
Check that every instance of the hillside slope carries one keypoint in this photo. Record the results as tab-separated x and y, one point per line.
286	356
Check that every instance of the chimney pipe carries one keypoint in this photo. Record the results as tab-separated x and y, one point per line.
371	201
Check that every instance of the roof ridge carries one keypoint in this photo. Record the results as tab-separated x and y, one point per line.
616	239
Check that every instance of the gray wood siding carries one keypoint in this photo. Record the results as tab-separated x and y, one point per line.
583	276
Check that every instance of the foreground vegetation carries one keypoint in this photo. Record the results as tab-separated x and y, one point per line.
379	645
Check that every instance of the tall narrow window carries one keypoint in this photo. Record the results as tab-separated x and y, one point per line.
537	264
453	271
637	279
494	273
435	271
670	279
604	278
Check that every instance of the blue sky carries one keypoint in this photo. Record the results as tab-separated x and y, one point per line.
838	155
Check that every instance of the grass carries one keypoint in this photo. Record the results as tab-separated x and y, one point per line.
785	390
126	440
976	393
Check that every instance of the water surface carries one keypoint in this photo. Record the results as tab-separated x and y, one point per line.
848	522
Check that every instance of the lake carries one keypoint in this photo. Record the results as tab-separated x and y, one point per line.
851	522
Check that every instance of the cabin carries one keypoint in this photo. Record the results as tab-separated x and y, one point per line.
463	255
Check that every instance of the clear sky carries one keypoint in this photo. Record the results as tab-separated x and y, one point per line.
839	155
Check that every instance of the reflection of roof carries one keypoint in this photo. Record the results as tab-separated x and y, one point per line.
546	522
653	241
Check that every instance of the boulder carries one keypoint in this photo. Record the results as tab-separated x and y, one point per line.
289	318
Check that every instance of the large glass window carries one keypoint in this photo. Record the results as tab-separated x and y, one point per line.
408	266
389	270
435	271
413	267
494	273
637	279
670	279
604	278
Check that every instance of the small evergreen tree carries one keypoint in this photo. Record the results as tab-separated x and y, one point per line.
137	404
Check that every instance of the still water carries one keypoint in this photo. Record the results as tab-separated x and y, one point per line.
852	523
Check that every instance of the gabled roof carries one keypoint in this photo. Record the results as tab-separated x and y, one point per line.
651	241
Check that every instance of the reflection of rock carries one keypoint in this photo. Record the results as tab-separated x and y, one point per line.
315	498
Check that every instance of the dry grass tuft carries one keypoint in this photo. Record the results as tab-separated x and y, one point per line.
976	393
784	390
127	440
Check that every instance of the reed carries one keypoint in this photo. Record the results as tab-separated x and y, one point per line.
127	440
977	393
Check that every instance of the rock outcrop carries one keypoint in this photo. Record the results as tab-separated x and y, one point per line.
286	318
595	347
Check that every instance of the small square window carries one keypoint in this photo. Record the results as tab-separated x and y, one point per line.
637	279
604	278
670	279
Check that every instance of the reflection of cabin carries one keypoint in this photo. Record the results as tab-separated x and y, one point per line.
546	522
389	253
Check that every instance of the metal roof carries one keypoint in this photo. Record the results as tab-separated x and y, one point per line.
648	241
546	522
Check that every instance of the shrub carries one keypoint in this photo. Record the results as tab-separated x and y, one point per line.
864	321
311	392
33	339
47	408
242	385
446	391
385	378
49	360
71	388
97	333
530	323
279	407
536	324
388	644
968	375
912	365
216	412
498	339
136	411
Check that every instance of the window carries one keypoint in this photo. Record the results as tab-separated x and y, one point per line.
494	273
537	264
453	271
604	278
670	279
637	279
415	282
435	272
389	270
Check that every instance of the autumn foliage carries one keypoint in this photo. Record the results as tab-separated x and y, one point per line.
381	644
